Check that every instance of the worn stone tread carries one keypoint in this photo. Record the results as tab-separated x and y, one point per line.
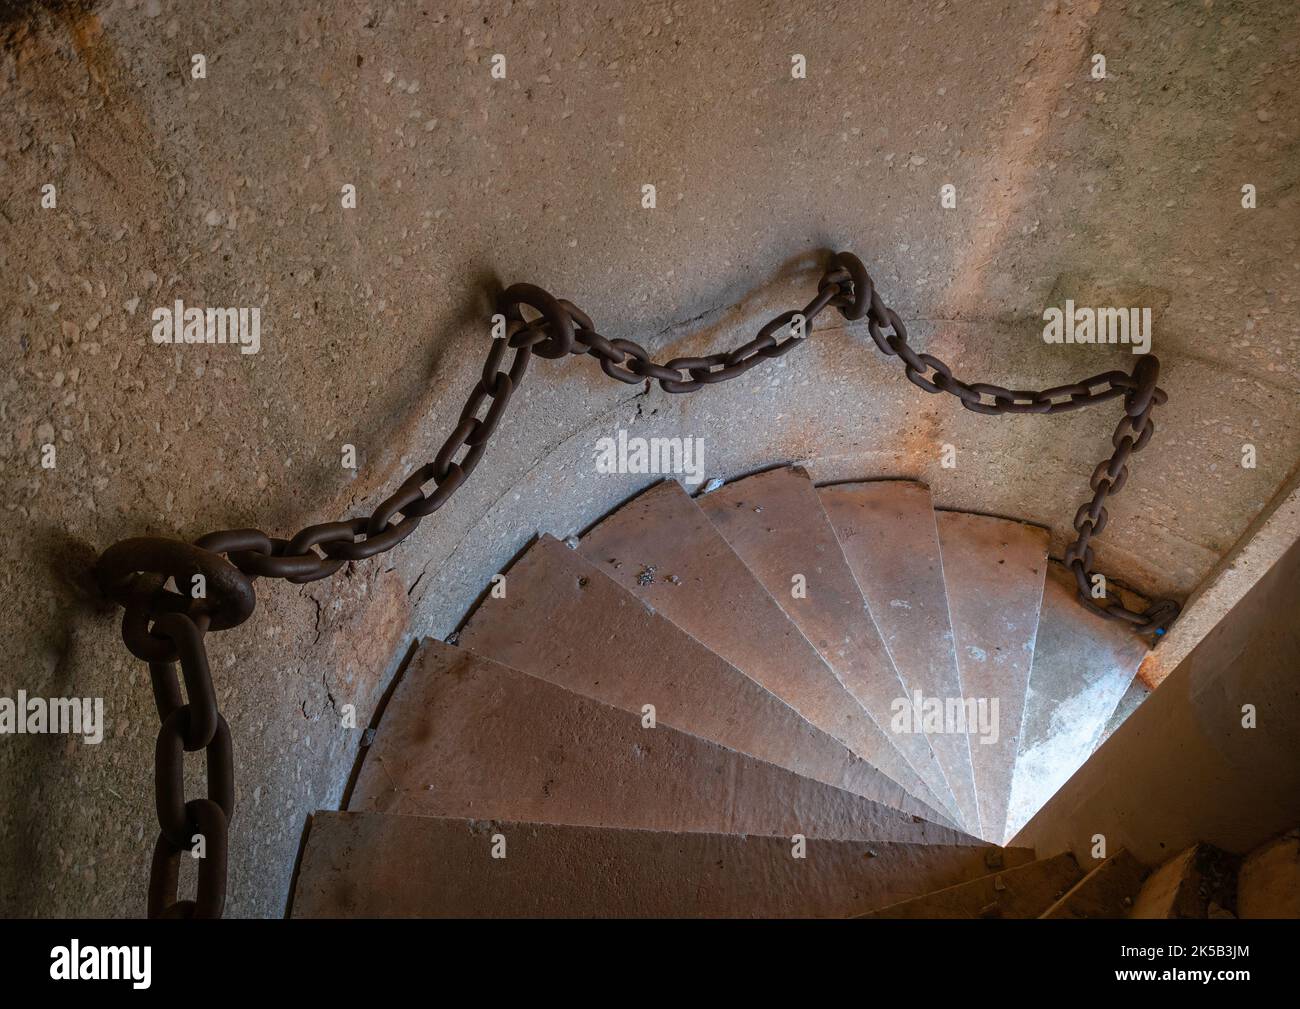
775	523
379	865
566	621
662	548
994	570
1083	665
464	736
887	531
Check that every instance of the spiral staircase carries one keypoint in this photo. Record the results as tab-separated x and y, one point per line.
746	703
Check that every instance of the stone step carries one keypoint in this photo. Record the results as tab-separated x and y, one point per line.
1197	883
774	521
1268	885
994	570
564	620
463	736
888	534
661	547
380	865
1025	891
1136	693
1108	891
1083	665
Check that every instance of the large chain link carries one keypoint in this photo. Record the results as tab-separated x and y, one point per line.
1140	394
174	593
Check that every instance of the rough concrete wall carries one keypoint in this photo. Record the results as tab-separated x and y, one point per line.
225	191
1187	767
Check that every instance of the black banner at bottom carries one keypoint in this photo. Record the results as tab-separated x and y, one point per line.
639	958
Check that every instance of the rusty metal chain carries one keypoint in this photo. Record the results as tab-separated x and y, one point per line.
163	626
1141	397
174	593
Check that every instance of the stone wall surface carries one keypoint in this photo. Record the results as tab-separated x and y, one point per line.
225	191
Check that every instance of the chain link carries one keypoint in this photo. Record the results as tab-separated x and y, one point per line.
174	593
1139	391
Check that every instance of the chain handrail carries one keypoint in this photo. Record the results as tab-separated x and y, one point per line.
164	626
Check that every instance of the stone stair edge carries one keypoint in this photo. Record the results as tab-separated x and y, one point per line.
431	640
474	822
